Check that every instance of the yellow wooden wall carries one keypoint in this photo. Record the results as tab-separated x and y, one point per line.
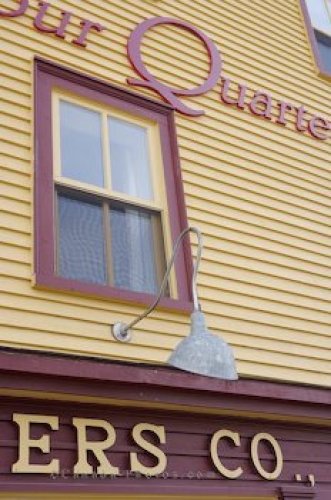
259	192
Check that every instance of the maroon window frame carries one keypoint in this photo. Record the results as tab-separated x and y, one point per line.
49	76
322	70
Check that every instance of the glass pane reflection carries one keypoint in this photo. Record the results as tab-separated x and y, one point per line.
81	144
129	159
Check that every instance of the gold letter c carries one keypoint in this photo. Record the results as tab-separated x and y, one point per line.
234	436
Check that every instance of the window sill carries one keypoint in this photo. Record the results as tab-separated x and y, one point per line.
325	75
105	292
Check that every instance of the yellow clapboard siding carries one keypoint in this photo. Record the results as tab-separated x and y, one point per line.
298	362
250	14
318	166
266	318
232	217
15	137
13	72
169	37
254	233
24	44
232	120
17	269
17	223
257	258
48	301
27	325
40	340
259	342
191	16
15	253
265	338
213	258
42	301
21	152
285	88
16	206
228	207
226	190
8	94
17	123
285	373
11	176
267	281
110	350
14	192
245	160
15	238
13	165
282	89
229	171
241	118
250	309
309	229
252	249
262	60
243	45
259	192
296	142
317	184
258	303
256	277
250	329
15	111
227	301
15	85
248	290
122	11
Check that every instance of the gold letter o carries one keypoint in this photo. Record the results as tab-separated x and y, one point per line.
270	476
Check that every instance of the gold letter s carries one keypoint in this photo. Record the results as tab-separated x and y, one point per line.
137	466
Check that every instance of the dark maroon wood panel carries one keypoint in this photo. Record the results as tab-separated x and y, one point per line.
158	384
306	447
306	450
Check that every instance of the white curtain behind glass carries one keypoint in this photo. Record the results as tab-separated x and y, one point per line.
81	251
133	250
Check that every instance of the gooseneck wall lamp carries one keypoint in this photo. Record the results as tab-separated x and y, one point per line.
200	352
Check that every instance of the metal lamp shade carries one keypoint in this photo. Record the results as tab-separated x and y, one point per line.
203	353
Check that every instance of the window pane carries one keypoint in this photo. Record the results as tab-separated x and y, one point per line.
133	250
81	253
129	159
320	14
324	45
81	145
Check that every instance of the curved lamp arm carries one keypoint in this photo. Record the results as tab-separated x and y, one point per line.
121	331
